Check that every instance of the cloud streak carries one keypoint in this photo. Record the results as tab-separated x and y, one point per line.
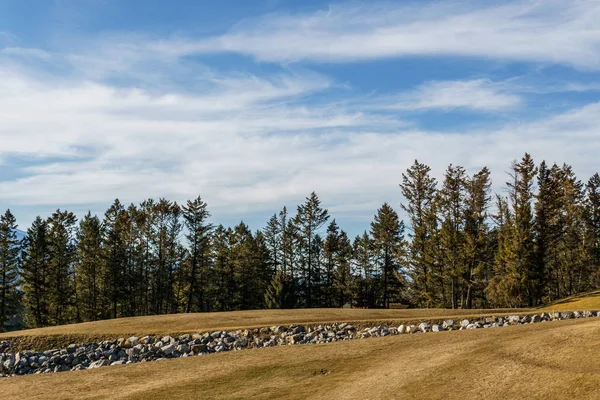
531	31
115	120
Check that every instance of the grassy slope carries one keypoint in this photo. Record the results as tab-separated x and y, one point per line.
46	338
582	301
551	360
184	323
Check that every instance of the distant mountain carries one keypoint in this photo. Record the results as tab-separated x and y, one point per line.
20	234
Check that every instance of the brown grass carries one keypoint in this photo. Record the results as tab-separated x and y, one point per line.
553	360
45	338
582	301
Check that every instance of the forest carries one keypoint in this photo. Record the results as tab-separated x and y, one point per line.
461	247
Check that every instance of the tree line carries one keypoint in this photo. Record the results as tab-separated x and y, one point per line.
464	248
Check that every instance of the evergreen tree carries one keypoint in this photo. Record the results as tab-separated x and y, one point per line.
331	253
453	210
278	294
477	250
366	287
273	233
89	268
115	260
35	274
9	265
343	283
419	191
61	265
592	225
309	220
388	236
224	282
195	214
521	198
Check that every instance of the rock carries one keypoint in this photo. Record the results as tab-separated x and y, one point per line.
464	323
449	323
185	338
436	328
198	348
472	326
535	319
168	349
99	363
402	329
566	315
424	327
133	340
72	348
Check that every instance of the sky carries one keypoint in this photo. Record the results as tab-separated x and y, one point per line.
255	104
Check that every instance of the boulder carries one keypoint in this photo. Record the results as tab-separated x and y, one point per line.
168	349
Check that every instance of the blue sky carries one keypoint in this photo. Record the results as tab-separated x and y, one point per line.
254	104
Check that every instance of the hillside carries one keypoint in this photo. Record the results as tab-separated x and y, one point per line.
551	361
191	323
515	360
581	301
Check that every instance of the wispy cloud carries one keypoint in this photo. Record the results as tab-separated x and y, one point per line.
479	94
113	118
553	31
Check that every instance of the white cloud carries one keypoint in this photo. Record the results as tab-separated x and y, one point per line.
479	94
553	31
94	142
250	143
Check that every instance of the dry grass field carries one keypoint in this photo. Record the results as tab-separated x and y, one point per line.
553	360
175	324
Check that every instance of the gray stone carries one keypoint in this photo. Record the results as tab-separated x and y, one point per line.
168	349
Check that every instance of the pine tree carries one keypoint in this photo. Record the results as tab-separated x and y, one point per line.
89	267
224	279
195	214
273	233
309	220
453	209
521	197
35	274
366	288
505	288
331	250
476	249
264	267
61	265
168	255
278	294
592	225
9	265
245	294
419	190
388	236
343	283
115	260
571	246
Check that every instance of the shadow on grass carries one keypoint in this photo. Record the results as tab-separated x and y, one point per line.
576	297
